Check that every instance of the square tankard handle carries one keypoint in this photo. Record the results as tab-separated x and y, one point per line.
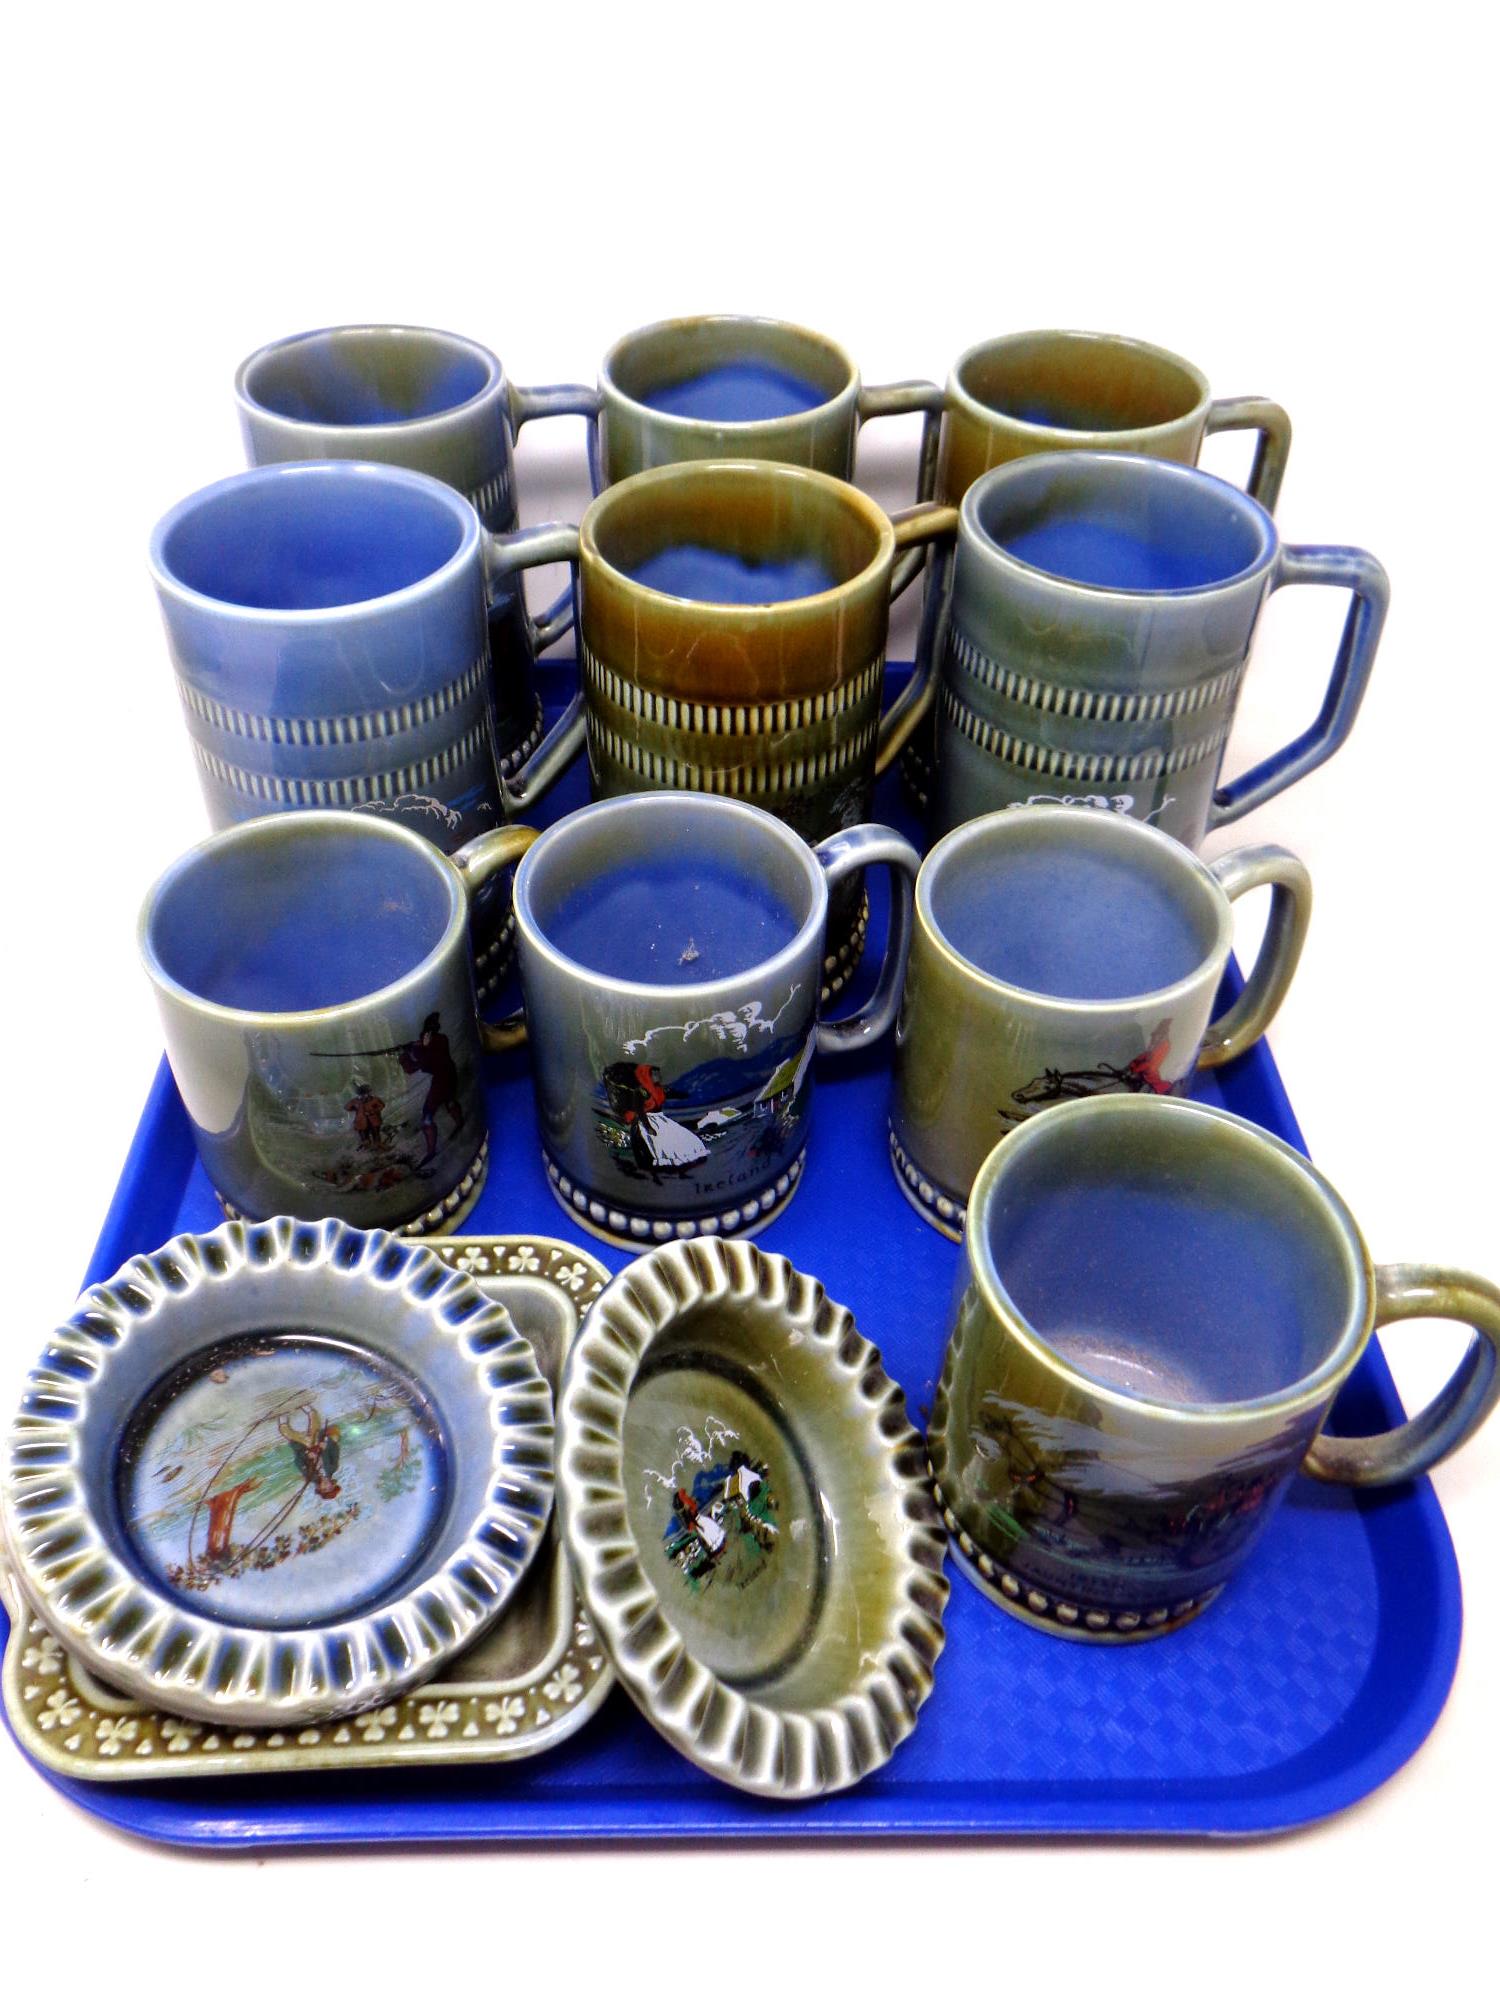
557	399
904	399
1341	569
1257	413
506	556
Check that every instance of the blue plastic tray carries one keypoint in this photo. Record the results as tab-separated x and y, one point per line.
1312	1679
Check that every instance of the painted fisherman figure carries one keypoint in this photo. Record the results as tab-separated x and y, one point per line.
315	1449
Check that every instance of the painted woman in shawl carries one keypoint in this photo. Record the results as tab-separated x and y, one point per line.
658	1144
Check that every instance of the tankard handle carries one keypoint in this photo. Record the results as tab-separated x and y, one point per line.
1257	413
482	857
1281	947
1341	569
1423	1291
905	399
506	556
917	528
557	399
842	854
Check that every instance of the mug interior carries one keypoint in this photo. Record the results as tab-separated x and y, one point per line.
680	893
1120	523
350	376
1073	903
728	370
1080	382
311	538
1171	1256
286	915
737	534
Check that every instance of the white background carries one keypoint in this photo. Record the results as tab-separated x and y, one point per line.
1299	198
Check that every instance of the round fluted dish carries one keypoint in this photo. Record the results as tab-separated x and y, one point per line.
747	1509
458	1435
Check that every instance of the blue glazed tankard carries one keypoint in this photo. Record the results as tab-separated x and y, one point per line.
1102	613
671	949
432	402
328	625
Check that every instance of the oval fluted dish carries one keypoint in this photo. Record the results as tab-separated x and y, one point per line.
746	1505
277	1472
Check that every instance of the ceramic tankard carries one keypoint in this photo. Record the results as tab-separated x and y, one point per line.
1025	393
728	385
1103	609
327	622
1062	391
1059	954
1113	1430
313	977
732	620
436	403
671	949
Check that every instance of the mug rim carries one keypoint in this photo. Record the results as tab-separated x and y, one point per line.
974	831
671	421
313	428
170	585
777	965
1125	342
681	472
315	821
1122	466
1316	1385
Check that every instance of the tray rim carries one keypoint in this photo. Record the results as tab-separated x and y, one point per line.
894	1812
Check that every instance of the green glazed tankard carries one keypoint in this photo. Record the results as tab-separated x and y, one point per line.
1160	1303
1060	953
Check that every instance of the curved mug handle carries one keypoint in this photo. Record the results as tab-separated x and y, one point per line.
1423	1291
1342	569
1281	947
482	857
1257	413
904	399
916	528
557	399
840	855
505	556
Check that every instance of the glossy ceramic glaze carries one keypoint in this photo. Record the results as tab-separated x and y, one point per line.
1057	390
727	385
315	987
747	1509
777	701
347	1494
671	953
530	1681
1062	953
435	403
1102	613
1159	1304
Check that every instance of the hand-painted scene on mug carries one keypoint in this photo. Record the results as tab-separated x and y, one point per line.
1046	1491
447	823
1140	1075
708	1104
361	1121
282	1479
720	1526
